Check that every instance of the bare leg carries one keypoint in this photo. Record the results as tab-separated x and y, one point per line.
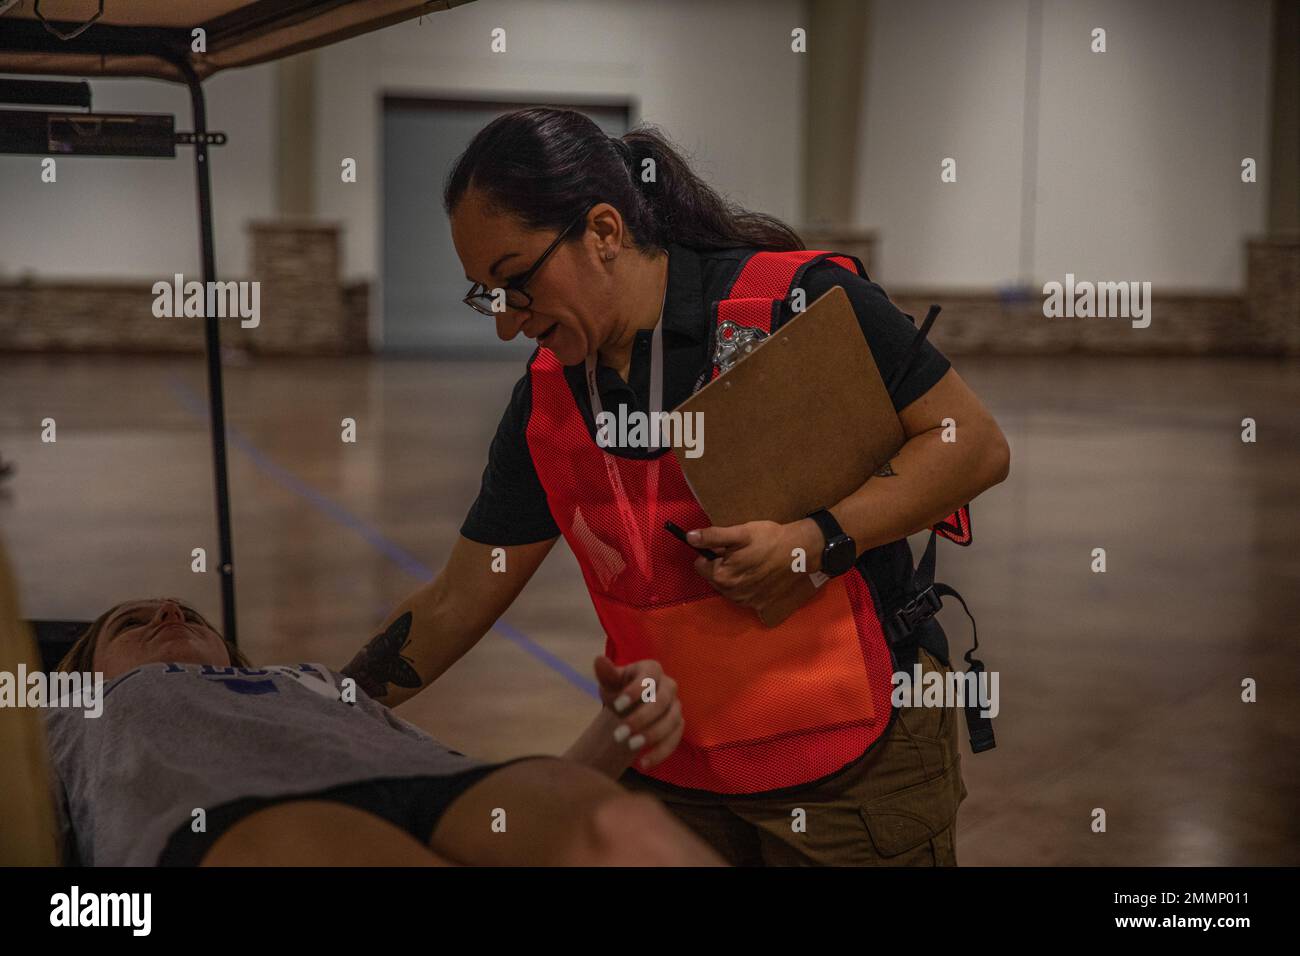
555	812
317	833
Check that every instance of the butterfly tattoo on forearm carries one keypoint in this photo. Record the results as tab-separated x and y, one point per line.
380	662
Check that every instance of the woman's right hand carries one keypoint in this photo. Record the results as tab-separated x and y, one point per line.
644	702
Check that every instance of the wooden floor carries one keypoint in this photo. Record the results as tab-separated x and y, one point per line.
1119	691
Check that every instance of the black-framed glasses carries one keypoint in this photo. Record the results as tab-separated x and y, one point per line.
517	297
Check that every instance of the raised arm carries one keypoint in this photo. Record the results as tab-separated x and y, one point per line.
430	630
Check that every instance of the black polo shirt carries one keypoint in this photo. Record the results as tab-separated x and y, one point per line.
511	506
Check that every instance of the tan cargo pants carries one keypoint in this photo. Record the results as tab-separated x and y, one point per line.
897	807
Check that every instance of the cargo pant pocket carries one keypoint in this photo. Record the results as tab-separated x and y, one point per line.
916	826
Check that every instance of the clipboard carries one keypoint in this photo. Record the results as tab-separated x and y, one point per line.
794	426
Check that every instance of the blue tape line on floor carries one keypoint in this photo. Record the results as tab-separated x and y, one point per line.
398	555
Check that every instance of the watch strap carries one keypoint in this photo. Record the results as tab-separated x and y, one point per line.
830	528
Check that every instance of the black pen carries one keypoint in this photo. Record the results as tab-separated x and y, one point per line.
680	535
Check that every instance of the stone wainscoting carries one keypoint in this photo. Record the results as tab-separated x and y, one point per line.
1273	290
1264	320
304	307
307	310
975	323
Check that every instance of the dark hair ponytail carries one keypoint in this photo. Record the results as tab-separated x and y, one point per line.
545	165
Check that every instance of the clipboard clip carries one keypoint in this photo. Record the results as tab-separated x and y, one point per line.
735	341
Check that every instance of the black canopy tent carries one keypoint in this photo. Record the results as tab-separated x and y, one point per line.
160	39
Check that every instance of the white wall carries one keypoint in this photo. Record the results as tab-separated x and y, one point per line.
138	218
1138	149
717	76
1137	154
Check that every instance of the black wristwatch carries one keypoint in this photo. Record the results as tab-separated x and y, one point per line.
840	551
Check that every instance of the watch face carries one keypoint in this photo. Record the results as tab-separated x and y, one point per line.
838	556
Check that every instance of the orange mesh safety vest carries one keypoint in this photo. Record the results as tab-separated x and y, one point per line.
764	708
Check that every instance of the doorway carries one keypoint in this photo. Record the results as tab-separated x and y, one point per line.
423	281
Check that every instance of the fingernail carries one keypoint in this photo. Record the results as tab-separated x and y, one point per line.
621	703
694	537
621	732
636	743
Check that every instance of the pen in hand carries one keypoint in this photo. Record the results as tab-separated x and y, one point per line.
680	535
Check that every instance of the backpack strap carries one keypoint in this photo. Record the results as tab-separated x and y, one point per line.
924	595
957	526
927	598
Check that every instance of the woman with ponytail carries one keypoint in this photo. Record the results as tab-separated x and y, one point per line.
777	745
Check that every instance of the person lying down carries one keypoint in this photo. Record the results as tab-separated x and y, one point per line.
200	758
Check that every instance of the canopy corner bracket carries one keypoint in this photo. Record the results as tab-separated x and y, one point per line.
65	34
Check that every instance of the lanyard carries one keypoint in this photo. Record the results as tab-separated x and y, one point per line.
630	524
656	371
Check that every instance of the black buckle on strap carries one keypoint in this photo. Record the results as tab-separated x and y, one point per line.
907	618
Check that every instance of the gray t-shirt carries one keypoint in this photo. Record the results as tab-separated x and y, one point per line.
176	737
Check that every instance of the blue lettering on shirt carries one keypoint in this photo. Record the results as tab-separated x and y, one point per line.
250	686
236	684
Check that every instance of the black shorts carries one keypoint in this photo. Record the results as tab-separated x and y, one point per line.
415	804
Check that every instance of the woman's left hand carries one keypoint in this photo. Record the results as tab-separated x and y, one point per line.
755	563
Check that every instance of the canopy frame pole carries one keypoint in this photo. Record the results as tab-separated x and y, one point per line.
212	349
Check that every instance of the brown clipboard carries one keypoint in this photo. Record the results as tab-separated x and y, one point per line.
796	425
